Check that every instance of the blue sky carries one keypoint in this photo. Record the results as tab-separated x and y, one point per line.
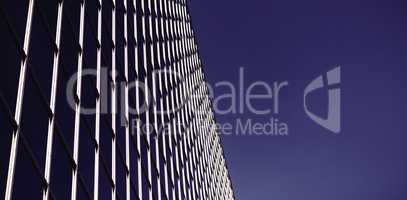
296	41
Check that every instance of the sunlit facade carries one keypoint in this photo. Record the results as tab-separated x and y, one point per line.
151	132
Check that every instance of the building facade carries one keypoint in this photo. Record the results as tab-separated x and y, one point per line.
106	99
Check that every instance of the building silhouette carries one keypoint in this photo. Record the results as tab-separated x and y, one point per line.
106	99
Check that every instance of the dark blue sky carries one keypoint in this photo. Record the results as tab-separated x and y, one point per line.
296	41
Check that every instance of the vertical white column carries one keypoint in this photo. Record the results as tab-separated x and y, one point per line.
136	65
164	136
78	101
154	93
19	103
148	30
126	101
167	158
156	100
98	89
48	159
113	88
